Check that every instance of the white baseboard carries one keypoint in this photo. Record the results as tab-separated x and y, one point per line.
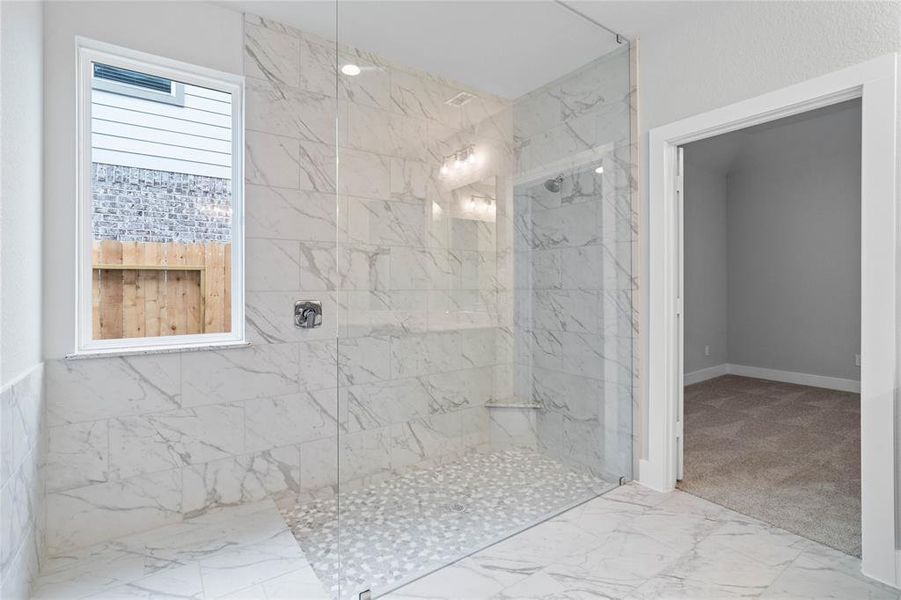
821	381
705	374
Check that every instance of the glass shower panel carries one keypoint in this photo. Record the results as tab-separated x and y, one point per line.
573	323
292	107
576	227
483	287
422	185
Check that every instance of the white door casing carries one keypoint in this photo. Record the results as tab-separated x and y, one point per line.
680	312
874	82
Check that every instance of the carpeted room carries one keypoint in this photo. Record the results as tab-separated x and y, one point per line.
772	323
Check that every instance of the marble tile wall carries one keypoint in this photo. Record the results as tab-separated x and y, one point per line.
414	282
22	445
574	322
423	338
441	293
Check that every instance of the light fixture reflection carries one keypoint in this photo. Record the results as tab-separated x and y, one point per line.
465	157
600	169
350	70
480	206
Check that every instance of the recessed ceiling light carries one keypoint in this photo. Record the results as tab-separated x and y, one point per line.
350	70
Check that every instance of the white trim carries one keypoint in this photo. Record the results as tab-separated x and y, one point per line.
89	51
157	350
705	374
875	82
21	377
820	381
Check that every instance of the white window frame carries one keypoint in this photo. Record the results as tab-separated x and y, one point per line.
90	51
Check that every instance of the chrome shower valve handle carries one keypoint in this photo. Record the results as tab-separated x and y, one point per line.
307	314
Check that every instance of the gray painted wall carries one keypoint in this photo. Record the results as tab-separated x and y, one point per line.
23	422
792	232
20	189
794	252
739	50
705	267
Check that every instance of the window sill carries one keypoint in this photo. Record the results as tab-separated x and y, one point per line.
115	352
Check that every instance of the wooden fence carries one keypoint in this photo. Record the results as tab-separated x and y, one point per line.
153	289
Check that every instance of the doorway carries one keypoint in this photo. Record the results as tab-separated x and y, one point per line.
771	334
874	83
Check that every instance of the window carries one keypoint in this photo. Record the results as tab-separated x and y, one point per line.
160	244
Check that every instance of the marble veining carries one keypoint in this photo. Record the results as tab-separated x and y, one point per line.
631	543
636	544
23	442
416	284
97	388
236	552
573	317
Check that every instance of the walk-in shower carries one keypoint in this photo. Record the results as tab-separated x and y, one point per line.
476	287
432	245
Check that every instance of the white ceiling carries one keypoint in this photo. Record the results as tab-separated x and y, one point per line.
777	140
506	48
635	17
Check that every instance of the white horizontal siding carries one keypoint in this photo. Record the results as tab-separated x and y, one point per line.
161	109
159	163
202	92
134	132
160	136
121	115
124	144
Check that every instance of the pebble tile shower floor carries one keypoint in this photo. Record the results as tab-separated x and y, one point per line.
402	528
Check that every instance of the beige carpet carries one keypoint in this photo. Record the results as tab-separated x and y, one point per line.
785	454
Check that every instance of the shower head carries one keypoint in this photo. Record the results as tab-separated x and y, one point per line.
553	185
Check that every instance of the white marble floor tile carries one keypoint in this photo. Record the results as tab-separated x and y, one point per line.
630	544
89	571
302	583
463	579
246	565
180	582
560	582
808	577
649	545
247	547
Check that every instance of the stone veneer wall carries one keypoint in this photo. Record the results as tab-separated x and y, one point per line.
418	290
146	205
22	516
575	323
